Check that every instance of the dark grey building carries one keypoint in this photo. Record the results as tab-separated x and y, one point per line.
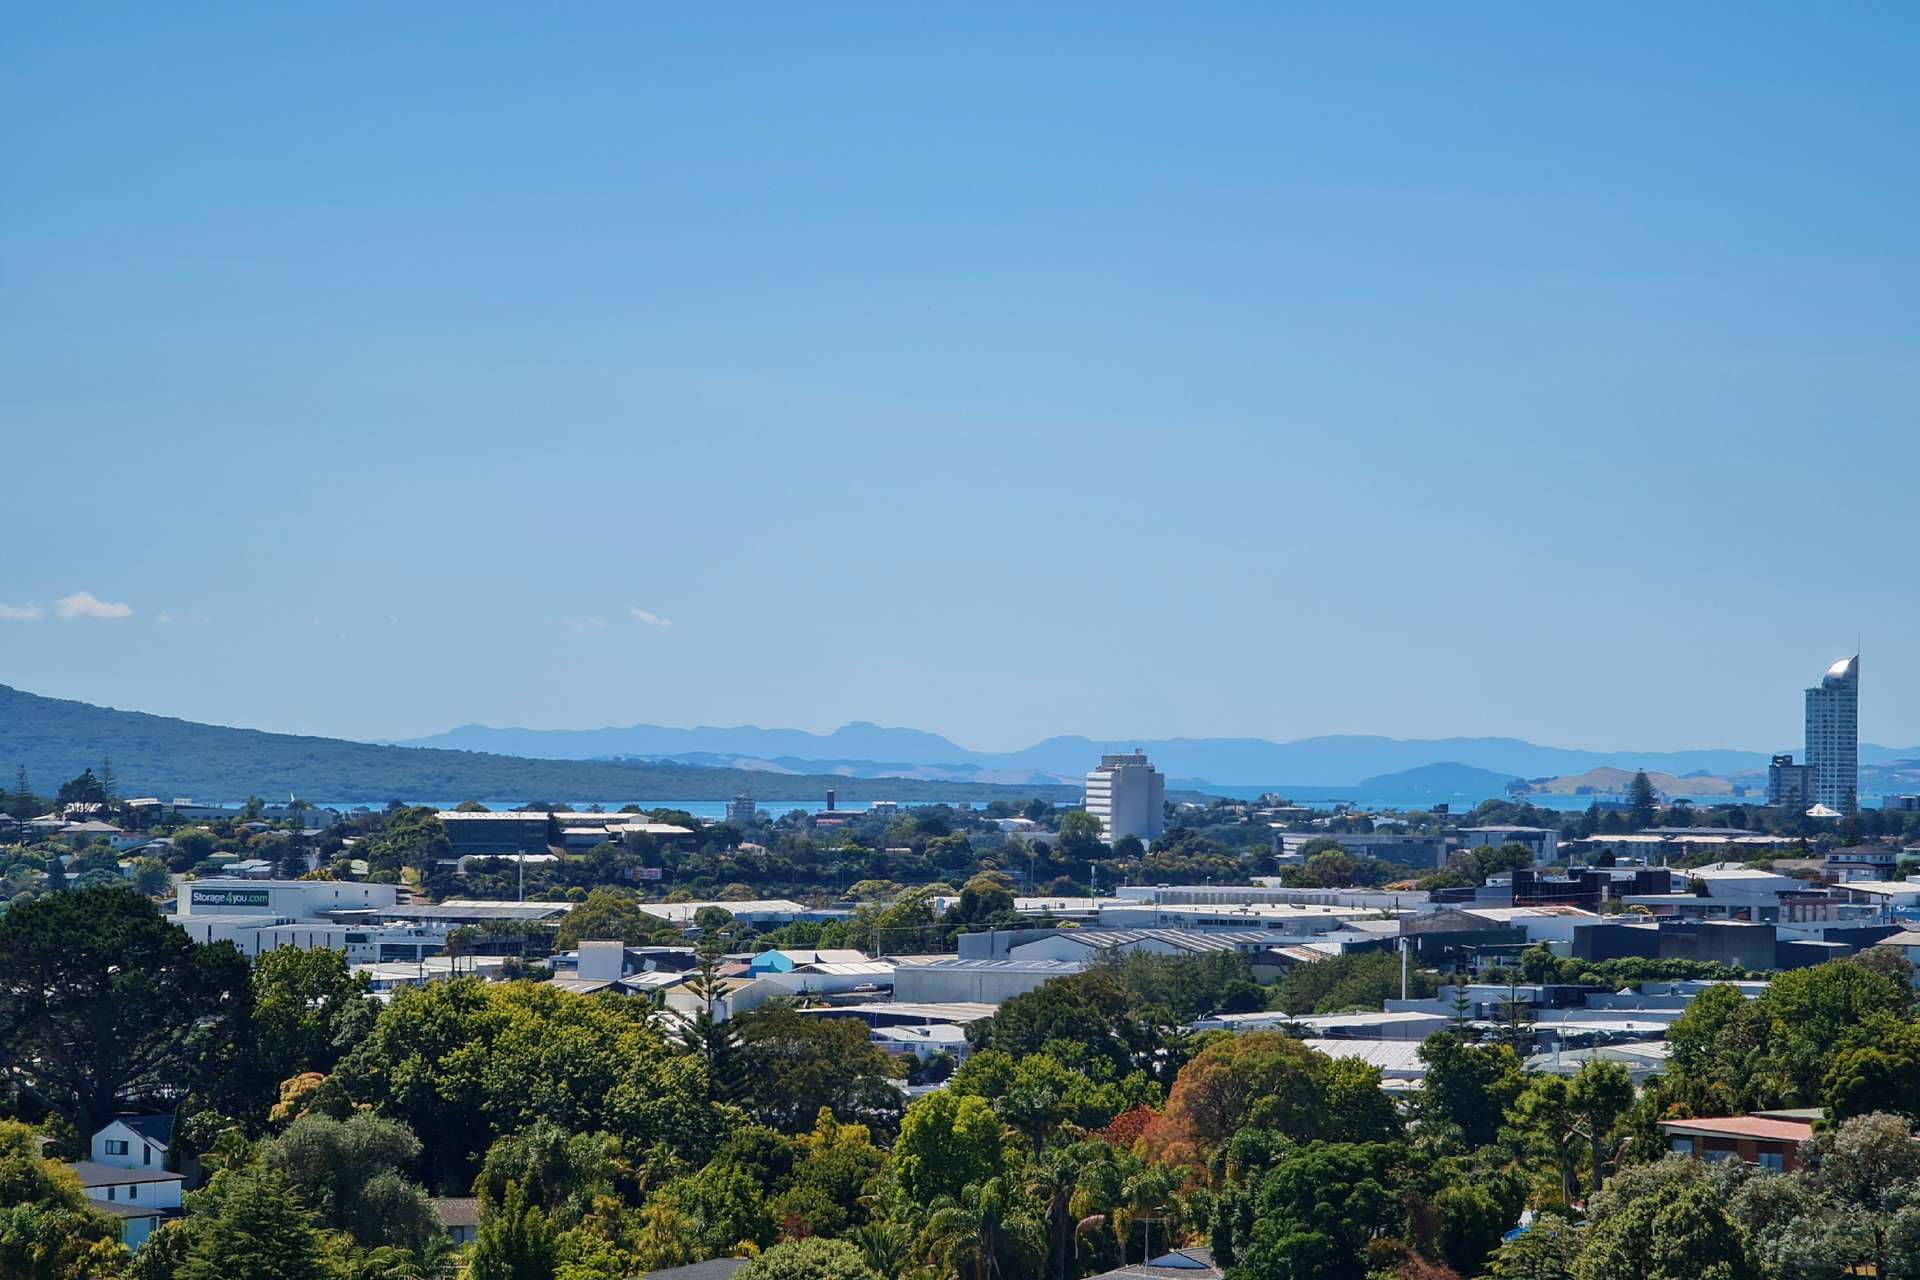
1790	785
510	832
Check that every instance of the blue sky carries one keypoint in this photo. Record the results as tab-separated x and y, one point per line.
997	371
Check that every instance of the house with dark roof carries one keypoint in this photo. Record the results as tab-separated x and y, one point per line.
133	1142
140	1198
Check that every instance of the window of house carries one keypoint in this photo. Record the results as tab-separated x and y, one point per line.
113	1193
1683	1146
133	1192
116	1146
146	1153
1772	1160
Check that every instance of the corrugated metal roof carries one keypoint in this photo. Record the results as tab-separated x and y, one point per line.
1393	1057
1185	939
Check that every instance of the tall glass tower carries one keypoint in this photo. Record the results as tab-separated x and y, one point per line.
1833	735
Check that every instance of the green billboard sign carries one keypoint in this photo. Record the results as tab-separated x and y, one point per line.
230	897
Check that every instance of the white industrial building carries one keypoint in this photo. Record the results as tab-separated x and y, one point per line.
257	916
289	899
950	980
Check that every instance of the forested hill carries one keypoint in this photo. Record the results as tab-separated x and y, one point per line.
157	755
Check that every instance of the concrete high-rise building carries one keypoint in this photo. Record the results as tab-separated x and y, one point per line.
1833	735
741	811
1128	796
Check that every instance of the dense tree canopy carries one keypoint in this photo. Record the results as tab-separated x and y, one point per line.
105	1006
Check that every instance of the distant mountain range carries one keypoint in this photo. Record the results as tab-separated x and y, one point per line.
863	750
156	755
54	739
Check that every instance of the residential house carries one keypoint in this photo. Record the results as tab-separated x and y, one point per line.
1767	1140
459	1216
141	1198
133	1142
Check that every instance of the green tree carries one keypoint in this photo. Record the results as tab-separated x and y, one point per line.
1363	980
349	1172
1093	1010
309	1010
809	1259
1545	1251
794	1065
103	1004
1469	1222
49	1230
1316	1210
946	1143
605	915
726	1207
558	1172
1470	1086
254	1226
1598	1098
1079	840
1492	860
709	1035
1641	800
989	1229
514	1242
1876	1077
463	1062
1868	1167
85	789
189	848
150	877
411	837
1684	1236
985	898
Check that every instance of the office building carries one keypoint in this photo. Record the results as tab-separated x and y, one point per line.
1833	736
741	811
1544	842
508	832
1790	785
1129	797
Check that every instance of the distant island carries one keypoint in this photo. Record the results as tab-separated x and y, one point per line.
1606	781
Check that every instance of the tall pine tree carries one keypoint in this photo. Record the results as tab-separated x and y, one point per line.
260	1230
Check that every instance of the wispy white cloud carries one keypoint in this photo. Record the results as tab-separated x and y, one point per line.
649	617
586	624
21	613
164	616
85	606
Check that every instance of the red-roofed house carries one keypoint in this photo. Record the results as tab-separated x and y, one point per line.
1770	1142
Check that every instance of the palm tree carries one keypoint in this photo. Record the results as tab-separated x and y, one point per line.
1052	1180
886	1246
1144	1197
968	1237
